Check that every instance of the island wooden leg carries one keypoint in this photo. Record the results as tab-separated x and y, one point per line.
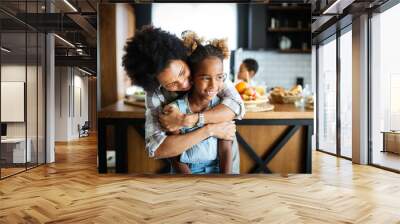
121	162
140	129
250	151
101	146
309	149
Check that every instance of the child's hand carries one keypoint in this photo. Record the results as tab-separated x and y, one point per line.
170	108
224	130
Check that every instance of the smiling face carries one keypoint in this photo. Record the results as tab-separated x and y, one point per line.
175	77
209	78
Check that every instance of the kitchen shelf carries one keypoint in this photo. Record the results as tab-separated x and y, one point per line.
287	30
289	20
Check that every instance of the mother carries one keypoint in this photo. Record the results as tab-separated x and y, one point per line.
156	60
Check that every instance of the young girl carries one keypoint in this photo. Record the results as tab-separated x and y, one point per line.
206	65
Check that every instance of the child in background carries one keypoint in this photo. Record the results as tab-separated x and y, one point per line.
247	69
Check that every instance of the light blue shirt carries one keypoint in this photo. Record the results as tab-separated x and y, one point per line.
155	101
205	150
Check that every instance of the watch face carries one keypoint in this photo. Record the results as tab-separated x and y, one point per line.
202	117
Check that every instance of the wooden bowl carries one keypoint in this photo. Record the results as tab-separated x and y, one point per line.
290	99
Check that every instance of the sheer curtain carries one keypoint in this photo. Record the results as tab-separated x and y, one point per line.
327	97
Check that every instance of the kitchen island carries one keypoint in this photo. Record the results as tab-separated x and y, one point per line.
277	141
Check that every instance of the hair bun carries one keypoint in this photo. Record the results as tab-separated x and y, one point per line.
191	40
222	45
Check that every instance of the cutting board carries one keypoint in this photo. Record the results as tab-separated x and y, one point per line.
260	107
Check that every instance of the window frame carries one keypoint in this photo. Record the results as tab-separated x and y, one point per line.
333	37
381	9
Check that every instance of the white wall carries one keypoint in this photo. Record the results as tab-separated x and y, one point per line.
12	73
33	126
124	30
61	103
79	117
71	93
13	100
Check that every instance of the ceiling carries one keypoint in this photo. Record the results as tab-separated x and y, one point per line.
330	15
73	20
76	22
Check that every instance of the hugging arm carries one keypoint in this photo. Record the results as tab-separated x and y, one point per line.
161	145
231	107
174	145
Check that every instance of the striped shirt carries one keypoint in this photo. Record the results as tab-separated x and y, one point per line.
155	101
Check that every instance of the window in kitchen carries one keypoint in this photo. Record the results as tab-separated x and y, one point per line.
326	126
385	89
346	93
213	20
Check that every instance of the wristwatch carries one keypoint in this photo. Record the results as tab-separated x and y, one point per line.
200	122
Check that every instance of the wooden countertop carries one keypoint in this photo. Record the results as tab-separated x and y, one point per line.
121	110
281	111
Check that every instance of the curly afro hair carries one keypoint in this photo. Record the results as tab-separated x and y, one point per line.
214	48
148	53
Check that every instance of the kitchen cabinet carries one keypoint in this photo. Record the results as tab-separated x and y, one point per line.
278	141
267	24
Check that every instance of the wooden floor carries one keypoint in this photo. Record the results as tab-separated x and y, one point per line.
71	191
386	159
5	172
8	171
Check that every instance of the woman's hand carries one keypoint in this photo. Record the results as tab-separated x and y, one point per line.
224	130
172	119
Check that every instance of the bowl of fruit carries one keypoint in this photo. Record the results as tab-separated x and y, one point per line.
251	95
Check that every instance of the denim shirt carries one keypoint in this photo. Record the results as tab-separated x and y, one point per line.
205	150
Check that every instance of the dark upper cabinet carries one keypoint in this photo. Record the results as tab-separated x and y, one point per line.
257	24
262	26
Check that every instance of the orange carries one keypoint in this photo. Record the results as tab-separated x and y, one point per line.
250	91
241	87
